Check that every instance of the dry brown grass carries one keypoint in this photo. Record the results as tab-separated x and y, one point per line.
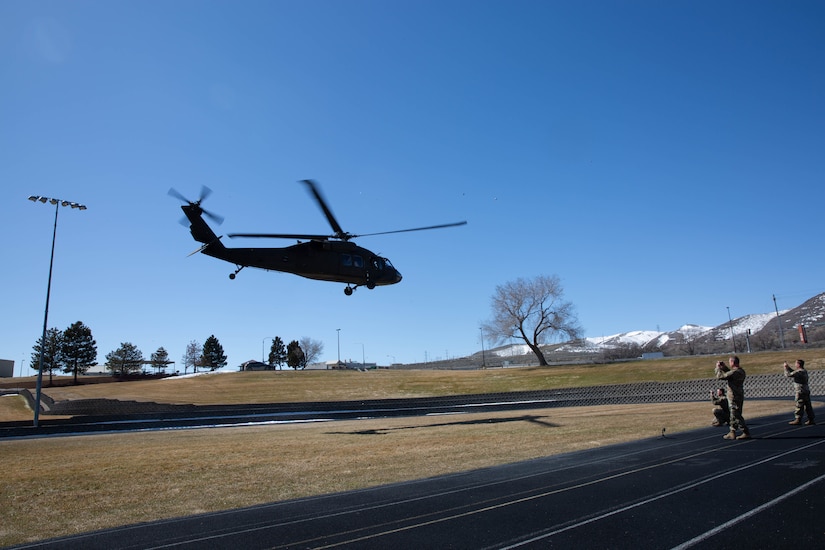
14	407
291	386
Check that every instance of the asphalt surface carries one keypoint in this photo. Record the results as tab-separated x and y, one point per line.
673	491
109	415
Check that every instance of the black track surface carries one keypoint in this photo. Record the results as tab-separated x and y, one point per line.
691	489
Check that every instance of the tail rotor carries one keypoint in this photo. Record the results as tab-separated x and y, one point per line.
196	205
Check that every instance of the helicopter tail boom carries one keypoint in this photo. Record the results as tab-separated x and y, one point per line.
200	230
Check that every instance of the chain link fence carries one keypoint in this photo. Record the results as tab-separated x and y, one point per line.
761	386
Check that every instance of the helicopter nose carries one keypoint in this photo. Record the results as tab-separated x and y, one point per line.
397	276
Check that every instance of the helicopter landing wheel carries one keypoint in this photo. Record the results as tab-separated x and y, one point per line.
370	285
232	276
348	290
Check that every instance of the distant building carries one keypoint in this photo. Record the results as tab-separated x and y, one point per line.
6	368
351	365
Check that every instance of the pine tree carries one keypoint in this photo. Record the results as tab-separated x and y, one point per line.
51	355
277	353
160	359
78	350
125	359
294	355
213	355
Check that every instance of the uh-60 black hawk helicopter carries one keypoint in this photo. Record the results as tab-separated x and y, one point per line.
322	257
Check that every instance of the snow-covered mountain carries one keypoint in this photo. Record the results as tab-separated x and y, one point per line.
761	329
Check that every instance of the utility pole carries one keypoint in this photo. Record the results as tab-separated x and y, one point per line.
483	360
779	322
732	337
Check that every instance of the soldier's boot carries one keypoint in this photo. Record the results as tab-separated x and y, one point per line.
746	434
795	422
810	422
730	435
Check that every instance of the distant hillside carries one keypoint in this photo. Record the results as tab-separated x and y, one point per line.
688	339
759	330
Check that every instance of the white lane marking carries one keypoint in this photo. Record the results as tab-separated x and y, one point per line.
708	534
670	493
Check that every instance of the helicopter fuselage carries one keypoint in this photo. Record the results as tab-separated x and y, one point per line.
342	262
323	260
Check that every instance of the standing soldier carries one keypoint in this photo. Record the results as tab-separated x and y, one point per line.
803	393
721	410
735	377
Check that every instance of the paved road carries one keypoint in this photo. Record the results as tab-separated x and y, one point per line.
689	489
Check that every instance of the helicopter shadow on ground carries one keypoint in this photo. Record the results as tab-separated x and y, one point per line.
523	418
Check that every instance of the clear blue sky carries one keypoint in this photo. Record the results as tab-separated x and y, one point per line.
664	159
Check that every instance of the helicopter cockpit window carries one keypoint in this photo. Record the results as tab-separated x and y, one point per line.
387	263
351	260
378	264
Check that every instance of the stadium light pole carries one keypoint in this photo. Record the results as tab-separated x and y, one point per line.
338	366
57	204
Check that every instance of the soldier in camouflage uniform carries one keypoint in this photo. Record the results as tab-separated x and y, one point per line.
803	393
735	377
721	410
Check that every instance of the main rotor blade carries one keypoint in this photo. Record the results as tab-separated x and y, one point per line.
282	236
174	193
414	229
313	188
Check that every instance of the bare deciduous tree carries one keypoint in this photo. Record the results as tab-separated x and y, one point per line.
193	356
312	349
532	310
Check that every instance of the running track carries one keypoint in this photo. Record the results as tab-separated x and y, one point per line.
691	489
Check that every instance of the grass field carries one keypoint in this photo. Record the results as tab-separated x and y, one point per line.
291	386
57	486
